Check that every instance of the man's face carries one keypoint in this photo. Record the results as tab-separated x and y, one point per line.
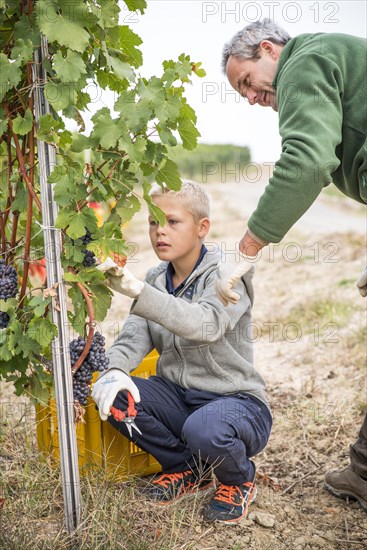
180	237
253	78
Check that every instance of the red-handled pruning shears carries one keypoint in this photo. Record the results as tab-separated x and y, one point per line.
127	416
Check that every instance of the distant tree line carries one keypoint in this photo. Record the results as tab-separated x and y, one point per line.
210	162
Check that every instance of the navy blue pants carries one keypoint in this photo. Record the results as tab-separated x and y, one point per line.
182	427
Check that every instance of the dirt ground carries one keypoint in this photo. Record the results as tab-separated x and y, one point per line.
309	341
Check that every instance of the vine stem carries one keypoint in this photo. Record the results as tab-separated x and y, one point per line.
2	232
28	231
20	156
10	172
89	340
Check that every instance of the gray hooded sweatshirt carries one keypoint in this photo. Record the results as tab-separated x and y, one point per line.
201	343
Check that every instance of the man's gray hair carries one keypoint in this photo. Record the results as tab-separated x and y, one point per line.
246	43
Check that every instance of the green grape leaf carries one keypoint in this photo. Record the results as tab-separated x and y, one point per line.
8	305
147	169
3	124
66	138
38	388
60	95
188	112
151	92
47	128
78	221
57	173
169	175
64	190
22	50
157	213
63	219
134	149
63	27
168	110
128	42
122	69
77	319
126	101
5	354
198	70
42	330
107	13
189	134
19	342
135	115
101	300
135	5
69	68
19	384
20	202
166	135
23	125
80	144
10	74
39	304
105	130
72	277
26	27
126	207
169	76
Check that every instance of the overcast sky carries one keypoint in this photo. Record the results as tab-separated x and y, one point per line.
200	29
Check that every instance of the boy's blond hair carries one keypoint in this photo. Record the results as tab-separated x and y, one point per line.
191	194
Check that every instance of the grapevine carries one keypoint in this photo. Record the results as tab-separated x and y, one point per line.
128	146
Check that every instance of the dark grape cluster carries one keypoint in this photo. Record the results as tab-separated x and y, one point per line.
89	257
8	288
8	281
4	319
96	360
87	238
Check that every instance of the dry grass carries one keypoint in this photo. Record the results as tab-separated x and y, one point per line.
115	516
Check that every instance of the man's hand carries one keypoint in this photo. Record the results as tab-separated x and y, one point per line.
362	283
229	275
250	244
121	279
106	388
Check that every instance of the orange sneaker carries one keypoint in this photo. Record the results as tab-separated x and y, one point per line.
168	488
230	502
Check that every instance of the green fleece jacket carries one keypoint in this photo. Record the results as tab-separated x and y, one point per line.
321	86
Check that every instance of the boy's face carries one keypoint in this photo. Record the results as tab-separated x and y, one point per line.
181	237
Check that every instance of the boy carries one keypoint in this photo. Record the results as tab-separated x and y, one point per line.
206	407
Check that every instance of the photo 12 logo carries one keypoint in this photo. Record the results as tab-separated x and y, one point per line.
249	12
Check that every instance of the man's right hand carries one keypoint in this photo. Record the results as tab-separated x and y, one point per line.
107	387
362	284
229	275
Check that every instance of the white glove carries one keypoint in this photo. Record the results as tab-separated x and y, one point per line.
106	388
362	283
229	275
121	279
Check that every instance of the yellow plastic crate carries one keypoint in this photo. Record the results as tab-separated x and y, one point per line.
100	446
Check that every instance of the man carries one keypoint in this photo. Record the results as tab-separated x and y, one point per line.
317	84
